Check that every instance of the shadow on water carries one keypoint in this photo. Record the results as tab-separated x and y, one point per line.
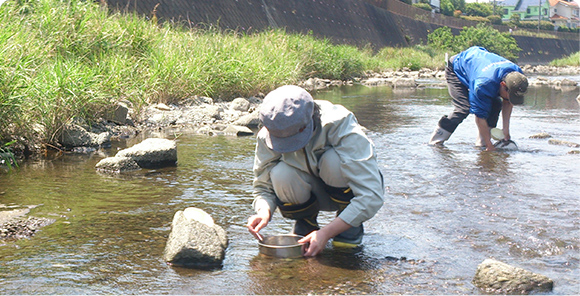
446	210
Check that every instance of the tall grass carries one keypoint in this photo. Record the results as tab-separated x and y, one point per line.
61	59
571	60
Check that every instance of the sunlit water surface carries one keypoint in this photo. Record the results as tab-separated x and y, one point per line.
446	210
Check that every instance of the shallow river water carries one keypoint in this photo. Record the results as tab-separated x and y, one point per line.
446	210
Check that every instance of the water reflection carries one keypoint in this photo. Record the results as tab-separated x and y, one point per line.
446	209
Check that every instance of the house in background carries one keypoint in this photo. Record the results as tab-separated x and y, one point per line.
559	12
564	13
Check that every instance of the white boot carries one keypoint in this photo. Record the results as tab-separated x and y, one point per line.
439	136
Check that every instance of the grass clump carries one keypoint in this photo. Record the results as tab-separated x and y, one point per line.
571	60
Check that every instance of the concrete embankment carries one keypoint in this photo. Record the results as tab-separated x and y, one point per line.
381	23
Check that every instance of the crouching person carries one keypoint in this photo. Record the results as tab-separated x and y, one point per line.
313	156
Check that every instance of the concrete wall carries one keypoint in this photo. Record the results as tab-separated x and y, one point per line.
355	22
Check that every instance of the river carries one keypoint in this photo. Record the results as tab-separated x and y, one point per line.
446	210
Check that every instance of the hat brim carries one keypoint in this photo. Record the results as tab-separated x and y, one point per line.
516	99
292	143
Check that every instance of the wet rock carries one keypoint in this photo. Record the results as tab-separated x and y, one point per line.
117	165
563	143
238	131
574	152
74	135
195	240
404	82
540	136
15	225
152	153
495	277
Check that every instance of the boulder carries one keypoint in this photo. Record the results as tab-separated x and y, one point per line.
195	240
495	277
74	135
152	153
117	165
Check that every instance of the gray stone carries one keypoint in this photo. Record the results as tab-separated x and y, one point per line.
117	165
74	135
120	114
249	120
495	277
195	240
152	153
240	104
237	130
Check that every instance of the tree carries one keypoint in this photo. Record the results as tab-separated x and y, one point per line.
447	7
478	9
482	35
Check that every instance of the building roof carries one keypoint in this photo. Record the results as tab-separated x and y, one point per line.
566	3
507	3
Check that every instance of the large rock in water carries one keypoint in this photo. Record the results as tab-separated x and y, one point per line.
195	240
152	153
495	277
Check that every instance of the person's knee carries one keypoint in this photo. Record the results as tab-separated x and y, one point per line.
331	170
289	184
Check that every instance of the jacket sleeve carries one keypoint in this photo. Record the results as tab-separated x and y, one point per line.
265	159
360	167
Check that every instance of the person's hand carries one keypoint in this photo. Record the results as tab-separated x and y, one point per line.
314	243
257	222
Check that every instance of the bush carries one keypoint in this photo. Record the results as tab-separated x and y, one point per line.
478	19
478	9
544	25
482	35
423	6
563	29
495	19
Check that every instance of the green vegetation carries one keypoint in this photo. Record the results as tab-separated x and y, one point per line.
483	35
66	59
571	60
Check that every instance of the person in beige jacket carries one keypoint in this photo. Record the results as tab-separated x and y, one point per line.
313	156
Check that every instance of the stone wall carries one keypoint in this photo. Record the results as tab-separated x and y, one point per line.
355	22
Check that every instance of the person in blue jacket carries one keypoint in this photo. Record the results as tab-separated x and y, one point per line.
485	84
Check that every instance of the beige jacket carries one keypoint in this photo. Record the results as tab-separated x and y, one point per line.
338	129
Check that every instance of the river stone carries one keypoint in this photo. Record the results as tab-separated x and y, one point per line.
563	143
237	130
495	277
249	120
195	240
74	135
117	165
240	104
152	153
540	136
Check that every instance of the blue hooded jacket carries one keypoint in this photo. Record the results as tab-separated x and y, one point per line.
482	71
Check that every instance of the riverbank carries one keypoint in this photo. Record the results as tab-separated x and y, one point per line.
212	116
81	62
